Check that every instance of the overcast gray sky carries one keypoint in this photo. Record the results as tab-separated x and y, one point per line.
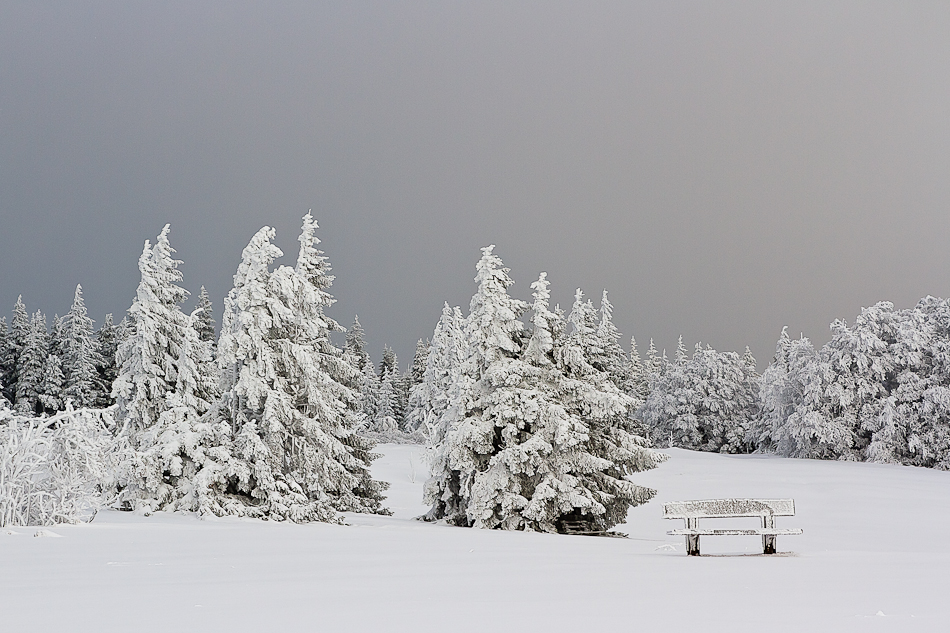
723	169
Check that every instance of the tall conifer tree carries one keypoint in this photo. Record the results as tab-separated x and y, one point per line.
288	394
80	356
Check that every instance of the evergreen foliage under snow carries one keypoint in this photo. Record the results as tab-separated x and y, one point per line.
533	434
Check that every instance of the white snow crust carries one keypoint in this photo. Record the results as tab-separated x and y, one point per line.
873	544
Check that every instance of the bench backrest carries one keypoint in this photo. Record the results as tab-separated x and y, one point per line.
728	508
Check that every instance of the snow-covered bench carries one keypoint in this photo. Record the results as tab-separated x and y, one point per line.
765	509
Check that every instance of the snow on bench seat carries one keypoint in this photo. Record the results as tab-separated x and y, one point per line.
765	509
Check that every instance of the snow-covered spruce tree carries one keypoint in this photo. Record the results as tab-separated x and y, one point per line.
162	389
57	337
389	368
385	420
108	344
7	360
389	362
513	455
429	400
418	368
654	366
15	340
707	401
51	387
204	318
528	481
369	386
30	366
781	394
80	356
287	395
612	358
639	378
476	418
355	344
591	394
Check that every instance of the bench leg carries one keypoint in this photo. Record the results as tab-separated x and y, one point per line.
692	541
692	545
768	542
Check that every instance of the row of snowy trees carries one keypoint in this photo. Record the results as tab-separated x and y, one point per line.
879	390
384	395
707	401
533	418
41	369
261	422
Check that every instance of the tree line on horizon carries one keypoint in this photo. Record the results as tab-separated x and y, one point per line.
533	417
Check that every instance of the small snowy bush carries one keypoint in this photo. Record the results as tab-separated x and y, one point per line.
54	470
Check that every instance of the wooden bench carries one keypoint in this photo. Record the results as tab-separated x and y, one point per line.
765	509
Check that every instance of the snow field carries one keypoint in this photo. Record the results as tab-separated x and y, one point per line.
873	543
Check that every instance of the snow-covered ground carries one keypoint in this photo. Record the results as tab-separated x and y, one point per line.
874	557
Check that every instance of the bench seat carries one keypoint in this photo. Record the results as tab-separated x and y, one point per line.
758	532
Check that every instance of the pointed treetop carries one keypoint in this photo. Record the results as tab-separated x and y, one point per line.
257	257
544	323
311	262
681	354
749	359
204	317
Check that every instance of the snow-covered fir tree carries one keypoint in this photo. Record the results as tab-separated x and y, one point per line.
7	360
108	344
355	344
418	368
493	337
781	394
162	389
429	400
287	395
30	367
509	453
80	356
384	420
203	317
15	340
369	386
51	387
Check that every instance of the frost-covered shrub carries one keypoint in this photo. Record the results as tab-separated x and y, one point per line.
54	470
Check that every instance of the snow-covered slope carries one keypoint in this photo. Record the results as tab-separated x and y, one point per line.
873	558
